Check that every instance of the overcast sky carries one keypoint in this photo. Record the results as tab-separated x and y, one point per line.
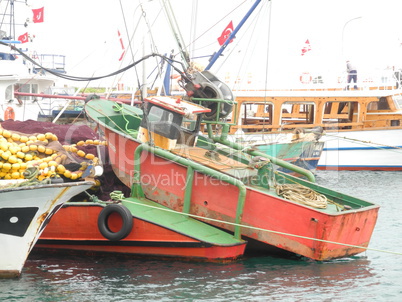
368	32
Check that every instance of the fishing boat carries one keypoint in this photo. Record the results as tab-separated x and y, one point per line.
155	153
133	227
18	74
136	227
25	210
362	128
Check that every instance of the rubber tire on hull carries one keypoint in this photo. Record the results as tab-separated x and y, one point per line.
125	215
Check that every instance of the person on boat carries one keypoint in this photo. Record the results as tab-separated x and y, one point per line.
352	74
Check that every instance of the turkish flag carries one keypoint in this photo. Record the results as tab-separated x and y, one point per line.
122	46
23	38
38	15
306	48
225	34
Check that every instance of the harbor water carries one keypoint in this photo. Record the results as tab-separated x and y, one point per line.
375	275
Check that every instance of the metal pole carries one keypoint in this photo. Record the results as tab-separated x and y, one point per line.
343	31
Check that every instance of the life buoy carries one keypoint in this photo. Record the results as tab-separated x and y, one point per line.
9	113
103	222
305	78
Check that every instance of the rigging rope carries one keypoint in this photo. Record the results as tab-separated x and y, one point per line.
214	26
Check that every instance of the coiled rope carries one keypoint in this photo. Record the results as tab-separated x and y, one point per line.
296	192
119	108
303	195
116	195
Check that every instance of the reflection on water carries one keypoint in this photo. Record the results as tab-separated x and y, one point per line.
368	276
76	278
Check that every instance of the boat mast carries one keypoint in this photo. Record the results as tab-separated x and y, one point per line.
193	28
216	55
9	37
176	32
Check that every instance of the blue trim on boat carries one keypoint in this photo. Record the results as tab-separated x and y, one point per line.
359	166
360	148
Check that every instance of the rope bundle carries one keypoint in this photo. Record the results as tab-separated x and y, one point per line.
302	195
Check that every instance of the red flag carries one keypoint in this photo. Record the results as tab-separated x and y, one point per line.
225	34
306	48
23	38
122	46
38	15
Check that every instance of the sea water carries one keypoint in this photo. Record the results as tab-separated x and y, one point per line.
375	275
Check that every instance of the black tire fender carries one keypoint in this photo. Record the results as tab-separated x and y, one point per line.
126	217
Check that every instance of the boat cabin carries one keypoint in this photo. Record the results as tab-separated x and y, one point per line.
168	122
340	110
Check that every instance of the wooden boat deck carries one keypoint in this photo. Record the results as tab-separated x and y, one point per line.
215	161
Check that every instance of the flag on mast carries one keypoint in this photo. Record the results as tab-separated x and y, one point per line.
122	45
38	15
225	34
23	38
306	48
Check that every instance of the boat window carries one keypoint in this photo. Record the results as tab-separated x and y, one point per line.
340	112
383	104
26	88
34	88
256	114
297	113
9	93
189	122
398	101
162	121
372	106
157	114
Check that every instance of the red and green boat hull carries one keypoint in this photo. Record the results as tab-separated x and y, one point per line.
75	229
263	216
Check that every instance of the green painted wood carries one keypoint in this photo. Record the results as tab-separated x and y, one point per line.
153	212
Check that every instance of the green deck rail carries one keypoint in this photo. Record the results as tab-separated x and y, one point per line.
191	167
223	140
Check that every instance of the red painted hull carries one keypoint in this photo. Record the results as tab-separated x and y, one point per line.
164	182
75	228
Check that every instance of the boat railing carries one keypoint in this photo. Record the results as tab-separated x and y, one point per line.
53	62
229	125
192	167
381	80
218	119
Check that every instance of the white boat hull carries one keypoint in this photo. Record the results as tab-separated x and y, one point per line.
24	213
362	150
